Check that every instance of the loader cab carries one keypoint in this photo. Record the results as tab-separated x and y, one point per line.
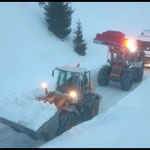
117	59
116	55
73	79
122	55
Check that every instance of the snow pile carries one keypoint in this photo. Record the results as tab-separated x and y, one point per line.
26	110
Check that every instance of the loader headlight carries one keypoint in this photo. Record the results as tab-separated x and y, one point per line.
73	94
44	85
147	65
130	44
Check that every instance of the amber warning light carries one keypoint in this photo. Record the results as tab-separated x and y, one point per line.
131	45
44	86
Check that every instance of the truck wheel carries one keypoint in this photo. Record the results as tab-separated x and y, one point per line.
126	81
66	121
103	75
138	74
93	109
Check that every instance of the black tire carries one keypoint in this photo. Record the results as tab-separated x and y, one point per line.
138	74
93	109
66	121
103	75
84	111
126	80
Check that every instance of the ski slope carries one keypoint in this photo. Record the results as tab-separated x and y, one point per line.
28	54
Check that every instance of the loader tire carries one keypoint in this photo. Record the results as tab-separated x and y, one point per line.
126	81
103	75
138	74
66	121
93	109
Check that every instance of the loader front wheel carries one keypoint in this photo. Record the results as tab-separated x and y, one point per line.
138	74
66	121
93	109
103	75
126	81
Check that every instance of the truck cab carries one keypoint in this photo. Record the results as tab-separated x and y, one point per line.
144	45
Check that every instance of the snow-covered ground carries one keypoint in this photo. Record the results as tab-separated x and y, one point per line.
28	53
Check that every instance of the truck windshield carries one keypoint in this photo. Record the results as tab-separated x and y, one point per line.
67	81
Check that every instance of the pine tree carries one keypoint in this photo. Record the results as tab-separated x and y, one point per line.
59	17
79	42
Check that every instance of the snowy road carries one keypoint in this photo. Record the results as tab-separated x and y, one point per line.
12	139
111	95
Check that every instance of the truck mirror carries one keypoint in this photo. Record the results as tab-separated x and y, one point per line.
52	73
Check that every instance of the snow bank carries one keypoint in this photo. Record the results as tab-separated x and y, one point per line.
26	110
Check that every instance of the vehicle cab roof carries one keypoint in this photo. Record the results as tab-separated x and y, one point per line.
72	69
145	35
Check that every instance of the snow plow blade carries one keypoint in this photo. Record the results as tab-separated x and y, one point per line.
116	38
45	132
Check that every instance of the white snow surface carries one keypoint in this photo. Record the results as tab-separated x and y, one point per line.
29	52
